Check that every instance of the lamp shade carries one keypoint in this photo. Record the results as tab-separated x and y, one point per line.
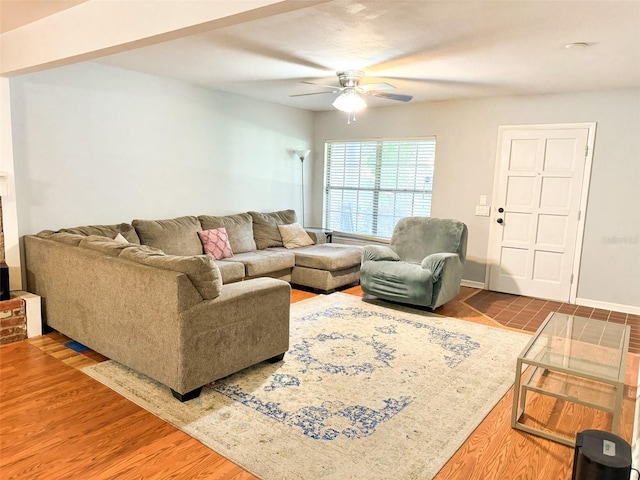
302	154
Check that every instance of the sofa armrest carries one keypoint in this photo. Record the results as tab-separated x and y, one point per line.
316	236
378	252
246	324
249	290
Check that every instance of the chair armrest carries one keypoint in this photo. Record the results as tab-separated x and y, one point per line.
447	270
377	253
436	262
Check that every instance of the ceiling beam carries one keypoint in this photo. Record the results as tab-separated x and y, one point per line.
101	27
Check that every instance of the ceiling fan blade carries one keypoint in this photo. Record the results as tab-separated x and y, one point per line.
376	86
320	84
314	93
392	96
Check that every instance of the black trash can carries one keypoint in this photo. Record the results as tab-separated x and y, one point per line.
601	455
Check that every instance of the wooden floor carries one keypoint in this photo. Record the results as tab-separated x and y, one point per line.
58	423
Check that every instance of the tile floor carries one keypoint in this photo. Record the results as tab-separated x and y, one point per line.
526	313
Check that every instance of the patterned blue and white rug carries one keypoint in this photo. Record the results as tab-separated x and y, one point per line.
366	391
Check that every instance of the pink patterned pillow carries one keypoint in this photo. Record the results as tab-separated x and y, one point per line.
216	243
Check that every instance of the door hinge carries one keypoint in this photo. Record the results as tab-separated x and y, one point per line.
579	214
586	150
571	280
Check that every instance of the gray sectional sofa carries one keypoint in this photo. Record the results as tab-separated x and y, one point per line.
152	300
258	251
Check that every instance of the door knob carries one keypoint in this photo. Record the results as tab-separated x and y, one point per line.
501	210
499	220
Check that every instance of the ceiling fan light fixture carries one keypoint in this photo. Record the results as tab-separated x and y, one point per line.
352	92
349	101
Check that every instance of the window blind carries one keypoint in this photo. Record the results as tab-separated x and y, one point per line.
371	184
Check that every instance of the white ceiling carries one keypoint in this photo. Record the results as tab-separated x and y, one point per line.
433	50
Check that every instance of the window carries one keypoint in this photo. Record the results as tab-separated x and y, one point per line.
371	184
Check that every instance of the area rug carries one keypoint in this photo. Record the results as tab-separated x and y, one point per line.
366	391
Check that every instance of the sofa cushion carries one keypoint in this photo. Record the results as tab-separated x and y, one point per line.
265	227
176	236
327	256
231	271
111	231
64	237
200	269
264	262
105	245
293	236
216	243
239	229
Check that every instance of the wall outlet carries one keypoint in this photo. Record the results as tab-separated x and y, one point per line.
482	210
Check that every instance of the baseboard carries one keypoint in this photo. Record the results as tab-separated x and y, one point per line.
616	307
472	284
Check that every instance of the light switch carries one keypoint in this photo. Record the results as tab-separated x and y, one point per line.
483	199
482	210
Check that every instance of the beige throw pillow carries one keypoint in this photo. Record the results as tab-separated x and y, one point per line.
120	238
293	235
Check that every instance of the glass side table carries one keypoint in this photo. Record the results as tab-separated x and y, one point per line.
576	359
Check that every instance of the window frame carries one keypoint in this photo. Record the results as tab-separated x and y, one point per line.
377	190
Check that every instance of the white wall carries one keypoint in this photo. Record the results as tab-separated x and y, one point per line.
465	157
100	145
95	144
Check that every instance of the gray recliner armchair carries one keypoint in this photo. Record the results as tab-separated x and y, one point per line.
423	264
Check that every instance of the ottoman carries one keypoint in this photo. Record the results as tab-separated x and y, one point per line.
326	266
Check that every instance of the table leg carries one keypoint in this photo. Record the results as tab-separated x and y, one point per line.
516	394
617	408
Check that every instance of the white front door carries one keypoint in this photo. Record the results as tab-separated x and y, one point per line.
536	209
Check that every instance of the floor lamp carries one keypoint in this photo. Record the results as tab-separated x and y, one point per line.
302	154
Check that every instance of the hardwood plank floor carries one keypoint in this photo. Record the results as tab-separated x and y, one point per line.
57	423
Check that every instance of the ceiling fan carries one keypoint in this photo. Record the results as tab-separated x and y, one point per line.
351	92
